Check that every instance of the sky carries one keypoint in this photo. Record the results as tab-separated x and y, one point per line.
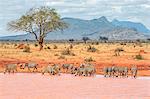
126	10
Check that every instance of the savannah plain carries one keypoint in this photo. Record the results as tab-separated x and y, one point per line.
101	54
28	85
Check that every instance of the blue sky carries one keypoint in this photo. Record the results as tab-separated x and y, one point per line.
132	10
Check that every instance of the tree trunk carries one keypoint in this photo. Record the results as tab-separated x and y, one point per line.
41	44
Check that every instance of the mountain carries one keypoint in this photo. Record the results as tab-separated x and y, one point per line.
94	28
122	34
132	25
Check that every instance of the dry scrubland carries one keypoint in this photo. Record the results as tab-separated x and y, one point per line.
54	53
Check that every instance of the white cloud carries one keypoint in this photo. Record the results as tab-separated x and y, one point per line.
117	9
91	2
136	10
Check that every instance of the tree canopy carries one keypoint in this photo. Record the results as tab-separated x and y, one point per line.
85	39
39	22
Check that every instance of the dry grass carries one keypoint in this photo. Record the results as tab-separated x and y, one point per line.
104	55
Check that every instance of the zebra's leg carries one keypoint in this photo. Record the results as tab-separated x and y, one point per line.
29	69
5	71
35	68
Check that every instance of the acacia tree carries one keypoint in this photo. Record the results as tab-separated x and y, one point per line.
39	22
85	39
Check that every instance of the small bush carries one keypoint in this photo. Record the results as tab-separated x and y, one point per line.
71	46
21	46
92	43
97	43
78	43
72	54
90	59
91	49
48	47
35	45
7	43
119	50
55	47
56	55
61	57
67	52
26	49
15	45
139	57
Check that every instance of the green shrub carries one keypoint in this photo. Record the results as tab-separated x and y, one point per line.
139	57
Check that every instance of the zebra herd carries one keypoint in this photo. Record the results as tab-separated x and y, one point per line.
82	70
85	69
13	67
120	71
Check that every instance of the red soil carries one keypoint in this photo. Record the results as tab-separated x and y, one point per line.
143	66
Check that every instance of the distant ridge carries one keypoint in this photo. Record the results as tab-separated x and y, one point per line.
132	25
78	28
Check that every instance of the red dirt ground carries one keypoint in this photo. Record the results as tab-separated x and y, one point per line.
36	86
143	66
